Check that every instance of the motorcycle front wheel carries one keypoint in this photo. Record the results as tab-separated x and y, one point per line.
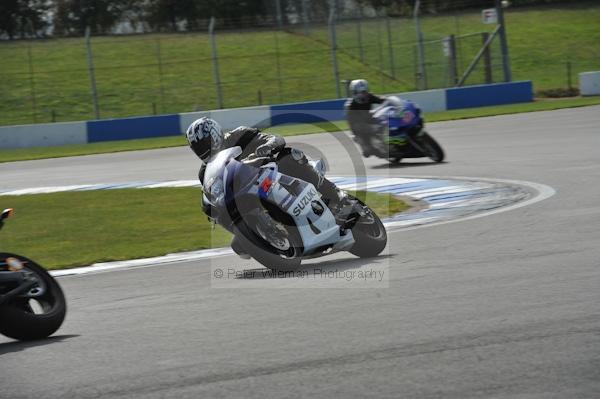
432	149
39	312
282	253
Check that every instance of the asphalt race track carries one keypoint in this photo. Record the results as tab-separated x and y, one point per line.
504	306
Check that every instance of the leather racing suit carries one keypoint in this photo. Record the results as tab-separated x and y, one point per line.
360	120
290	161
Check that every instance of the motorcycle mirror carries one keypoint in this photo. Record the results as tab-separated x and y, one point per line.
6	213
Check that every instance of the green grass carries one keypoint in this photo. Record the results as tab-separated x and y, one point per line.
22	154
62	230
130	79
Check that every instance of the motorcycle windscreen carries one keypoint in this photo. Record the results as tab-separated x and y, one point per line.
217	164
240	178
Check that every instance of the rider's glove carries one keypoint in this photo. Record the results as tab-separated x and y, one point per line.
264	150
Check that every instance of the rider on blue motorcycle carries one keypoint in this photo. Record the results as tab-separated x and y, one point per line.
206	138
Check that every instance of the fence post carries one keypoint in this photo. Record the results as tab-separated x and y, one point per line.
473	63
278	65
487	58
90	63
380	54
451	43
422	73
215	61
278	11
459	52
160	74
32	85
305	17
569	83
361	53
416	65
333	40
503	42
390	48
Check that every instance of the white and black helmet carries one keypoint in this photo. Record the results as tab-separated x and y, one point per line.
205	137
359	89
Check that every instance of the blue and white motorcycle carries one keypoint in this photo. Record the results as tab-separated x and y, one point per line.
397	131
280	220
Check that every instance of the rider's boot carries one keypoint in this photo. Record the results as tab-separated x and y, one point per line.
335	198
365	145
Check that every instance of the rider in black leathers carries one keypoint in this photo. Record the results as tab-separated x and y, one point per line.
358	114
206	138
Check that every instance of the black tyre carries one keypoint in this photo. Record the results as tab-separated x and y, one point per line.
370	236
432	149
270	254
23	320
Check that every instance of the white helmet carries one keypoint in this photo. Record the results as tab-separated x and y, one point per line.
205	136
359	88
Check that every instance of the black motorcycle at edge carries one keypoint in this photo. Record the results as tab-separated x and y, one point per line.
32	304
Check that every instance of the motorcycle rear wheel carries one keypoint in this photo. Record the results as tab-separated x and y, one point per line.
18	319
370	238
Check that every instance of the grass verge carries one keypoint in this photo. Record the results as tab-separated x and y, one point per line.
24	154
62	230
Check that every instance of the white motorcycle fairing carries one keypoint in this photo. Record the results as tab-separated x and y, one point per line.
299	199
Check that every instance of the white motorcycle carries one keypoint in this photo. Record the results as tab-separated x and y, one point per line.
281	220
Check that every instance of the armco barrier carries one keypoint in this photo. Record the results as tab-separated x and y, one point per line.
308	112
333	110
428	100
43	135
589	83
133	128
492	94
262	116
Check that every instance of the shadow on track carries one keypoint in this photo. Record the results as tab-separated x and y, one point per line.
333	265
18	346
390	165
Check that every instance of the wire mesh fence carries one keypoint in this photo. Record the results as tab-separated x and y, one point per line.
51	80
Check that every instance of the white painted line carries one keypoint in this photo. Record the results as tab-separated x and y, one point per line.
45	190
443	190
384	182
157	260
176	183
410	222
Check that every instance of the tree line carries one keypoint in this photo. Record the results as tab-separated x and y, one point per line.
39	18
